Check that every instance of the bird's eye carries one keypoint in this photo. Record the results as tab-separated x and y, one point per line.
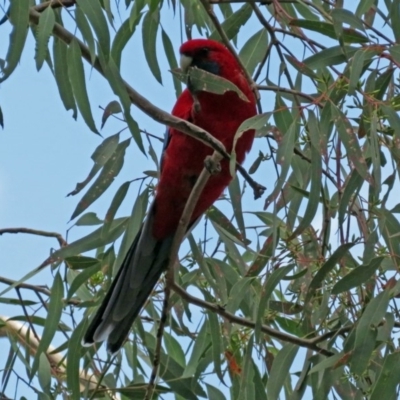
204	51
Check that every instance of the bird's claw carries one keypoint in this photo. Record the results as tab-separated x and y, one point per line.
212	166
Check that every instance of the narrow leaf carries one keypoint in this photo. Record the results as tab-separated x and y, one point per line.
280	370
149	32
253	51
77	79
44	29
97	19
357	276
60	50
19	18
109	172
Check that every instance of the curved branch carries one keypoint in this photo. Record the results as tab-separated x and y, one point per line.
38	232
143	104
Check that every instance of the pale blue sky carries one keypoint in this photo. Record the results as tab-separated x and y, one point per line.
44	152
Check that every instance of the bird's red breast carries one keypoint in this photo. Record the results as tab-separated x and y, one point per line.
220	115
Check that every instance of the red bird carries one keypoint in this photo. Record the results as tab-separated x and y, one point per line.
182	163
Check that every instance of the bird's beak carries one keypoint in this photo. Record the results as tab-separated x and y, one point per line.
185	62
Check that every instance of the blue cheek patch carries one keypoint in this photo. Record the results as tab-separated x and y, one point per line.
208	65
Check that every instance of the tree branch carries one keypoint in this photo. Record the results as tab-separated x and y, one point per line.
308	343
30	231
146	106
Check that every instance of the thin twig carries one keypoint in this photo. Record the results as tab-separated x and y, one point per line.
38	232
36	289
290	91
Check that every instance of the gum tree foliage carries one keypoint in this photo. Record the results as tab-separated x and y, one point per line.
290	296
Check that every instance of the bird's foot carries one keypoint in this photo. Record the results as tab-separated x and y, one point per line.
212	166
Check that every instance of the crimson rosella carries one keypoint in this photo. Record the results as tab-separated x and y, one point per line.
182	162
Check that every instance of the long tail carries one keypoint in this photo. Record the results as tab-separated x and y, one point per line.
142	267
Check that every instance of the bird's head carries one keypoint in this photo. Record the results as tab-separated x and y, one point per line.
208	55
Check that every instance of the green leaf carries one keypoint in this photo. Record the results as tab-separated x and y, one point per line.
233	23
351	189
366	331
349	35
80	262
44	373
201	80
124	33
86	31
213	393
133	225
395	52
201	343
44	30
115	204
364	6
394	15
92	241
170	53
364	346
316	134
73	360
53	318
95	15
174	349
238	292
351	144
280	370
356	70
216	340
357	276
236	200
269	286
327	267
346	16
332	56
328	362
253	51
77	78
60	50
100	157
388	379
217	217
300	66
113	107
256	122
83	277
264	255
282	116
246	386
137	7
314	195
150	26
117	84
105	179
389	227
284	157
19	18
171	373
